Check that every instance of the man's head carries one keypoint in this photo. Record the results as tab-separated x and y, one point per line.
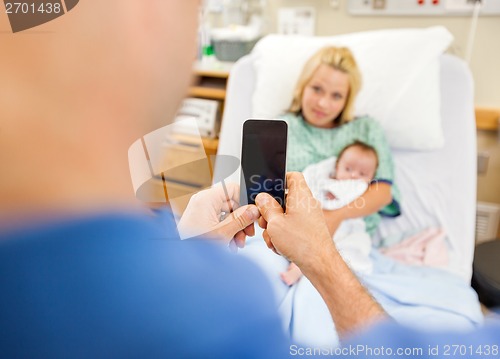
357	161
77	91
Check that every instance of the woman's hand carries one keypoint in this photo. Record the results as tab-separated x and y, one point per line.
334	219
205	210
377	196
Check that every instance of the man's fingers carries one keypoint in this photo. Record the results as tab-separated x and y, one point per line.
269	209
227	194
294	179
229	206
239	239
268	206
262	223
269	242
299	194
231	192
250	230
238	221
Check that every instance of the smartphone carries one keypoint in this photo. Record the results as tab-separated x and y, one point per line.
263	160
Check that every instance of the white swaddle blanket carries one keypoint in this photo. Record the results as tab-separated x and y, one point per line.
318	177
351	238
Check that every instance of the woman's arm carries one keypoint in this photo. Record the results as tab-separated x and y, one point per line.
377	196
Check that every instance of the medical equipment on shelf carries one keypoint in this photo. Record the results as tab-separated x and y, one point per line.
205	112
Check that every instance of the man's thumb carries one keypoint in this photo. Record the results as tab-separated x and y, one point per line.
239	220
268	206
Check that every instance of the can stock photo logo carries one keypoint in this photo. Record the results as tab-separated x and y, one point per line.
27	14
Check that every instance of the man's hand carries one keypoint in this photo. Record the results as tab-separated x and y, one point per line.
302	236
205	209
301	233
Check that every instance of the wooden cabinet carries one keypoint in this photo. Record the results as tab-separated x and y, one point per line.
190	169
210	83
487	118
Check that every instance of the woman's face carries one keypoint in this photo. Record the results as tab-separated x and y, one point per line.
325	96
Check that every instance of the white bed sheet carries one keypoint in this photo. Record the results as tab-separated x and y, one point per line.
439	187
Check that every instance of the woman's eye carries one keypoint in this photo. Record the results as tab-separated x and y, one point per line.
337	96
316	89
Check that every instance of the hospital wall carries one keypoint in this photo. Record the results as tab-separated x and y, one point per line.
485	64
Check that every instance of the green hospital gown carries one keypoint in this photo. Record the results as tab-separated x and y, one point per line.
308	144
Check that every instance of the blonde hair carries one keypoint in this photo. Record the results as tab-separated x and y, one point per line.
338	58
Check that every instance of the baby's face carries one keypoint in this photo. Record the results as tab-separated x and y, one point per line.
356	163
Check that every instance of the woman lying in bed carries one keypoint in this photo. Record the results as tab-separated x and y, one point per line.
321	123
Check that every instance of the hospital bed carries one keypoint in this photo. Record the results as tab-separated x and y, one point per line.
438	189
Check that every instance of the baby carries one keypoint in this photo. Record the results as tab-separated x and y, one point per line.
336	182
355	162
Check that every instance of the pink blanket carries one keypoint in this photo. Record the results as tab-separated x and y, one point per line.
426	248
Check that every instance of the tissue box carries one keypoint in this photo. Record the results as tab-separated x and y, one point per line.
232	42
232	50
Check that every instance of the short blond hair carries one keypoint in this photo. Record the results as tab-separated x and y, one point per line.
338	58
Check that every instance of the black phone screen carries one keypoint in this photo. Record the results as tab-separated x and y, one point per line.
263	160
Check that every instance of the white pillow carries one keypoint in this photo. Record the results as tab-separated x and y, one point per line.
400	70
